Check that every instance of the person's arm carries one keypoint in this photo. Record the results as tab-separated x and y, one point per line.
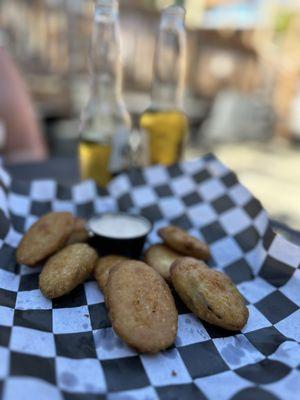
24	140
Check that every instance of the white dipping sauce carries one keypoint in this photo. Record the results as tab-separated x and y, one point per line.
119	226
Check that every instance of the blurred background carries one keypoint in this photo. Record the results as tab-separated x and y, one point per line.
242	90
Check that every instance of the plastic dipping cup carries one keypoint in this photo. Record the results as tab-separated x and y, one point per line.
119	233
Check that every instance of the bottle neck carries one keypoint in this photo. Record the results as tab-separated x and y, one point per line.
166	97
105	54
169	60
104	89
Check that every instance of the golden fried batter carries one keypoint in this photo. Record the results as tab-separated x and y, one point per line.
179	240
45	237
102	268
141	307
210	294
160	257
79	234
67	269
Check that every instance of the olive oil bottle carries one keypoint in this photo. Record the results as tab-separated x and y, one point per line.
164	122
105	126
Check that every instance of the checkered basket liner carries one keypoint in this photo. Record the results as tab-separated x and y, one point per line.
66	348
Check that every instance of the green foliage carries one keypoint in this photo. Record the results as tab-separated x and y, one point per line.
283	21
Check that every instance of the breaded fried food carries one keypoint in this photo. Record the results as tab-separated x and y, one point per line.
141	307
160	257
79	233
46	236
210	294
67	269
103	267
179	240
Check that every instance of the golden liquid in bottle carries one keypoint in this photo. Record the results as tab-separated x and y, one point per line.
94	160
167	131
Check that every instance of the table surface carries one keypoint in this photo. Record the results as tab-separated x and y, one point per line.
66	171
63	170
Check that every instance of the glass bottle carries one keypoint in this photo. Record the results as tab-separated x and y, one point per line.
105	123
164	121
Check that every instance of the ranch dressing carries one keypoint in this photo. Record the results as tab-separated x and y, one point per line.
119	226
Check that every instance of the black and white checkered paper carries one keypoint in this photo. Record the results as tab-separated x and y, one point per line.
66	348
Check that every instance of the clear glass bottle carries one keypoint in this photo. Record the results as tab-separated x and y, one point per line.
105	123
164	121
